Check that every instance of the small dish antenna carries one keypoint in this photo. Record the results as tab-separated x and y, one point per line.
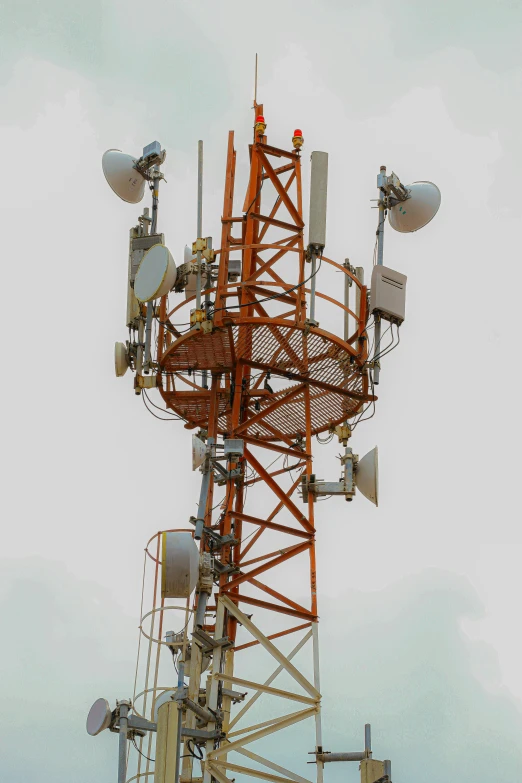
367	476
199	450
122	175
121	359
99	717
417	210
179	564
156	274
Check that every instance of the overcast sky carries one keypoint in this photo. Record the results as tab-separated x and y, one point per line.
429	650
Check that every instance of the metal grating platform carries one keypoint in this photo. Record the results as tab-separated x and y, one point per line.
327	367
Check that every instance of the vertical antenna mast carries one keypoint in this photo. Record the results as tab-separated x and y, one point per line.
199	221
380	247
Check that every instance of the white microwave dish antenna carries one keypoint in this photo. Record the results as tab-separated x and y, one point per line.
121	359
156	274
99	717
123	177
367	476
417	210
179	564
199	451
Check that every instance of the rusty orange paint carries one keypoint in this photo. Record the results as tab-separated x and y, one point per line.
248	345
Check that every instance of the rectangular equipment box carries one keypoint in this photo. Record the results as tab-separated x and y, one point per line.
388	294
233	447
234	269
154	148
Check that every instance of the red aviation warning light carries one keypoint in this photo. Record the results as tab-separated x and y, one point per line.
297	139
260	126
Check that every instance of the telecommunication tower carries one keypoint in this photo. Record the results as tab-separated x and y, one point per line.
237	352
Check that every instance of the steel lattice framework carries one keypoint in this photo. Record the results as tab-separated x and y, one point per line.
257	337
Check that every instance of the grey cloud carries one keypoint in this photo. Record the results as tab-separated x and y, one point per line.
186	69
407	666
68	643
397	658
133	53
490	30
66	33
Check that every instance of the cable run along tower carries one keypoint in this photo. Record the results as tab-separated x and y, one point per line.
256	358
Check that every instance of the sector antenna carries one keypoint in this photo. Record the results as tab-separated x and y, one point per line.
249	344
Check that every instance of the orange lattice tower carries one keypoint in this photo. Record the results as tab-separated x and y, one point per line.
274	380
257	377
